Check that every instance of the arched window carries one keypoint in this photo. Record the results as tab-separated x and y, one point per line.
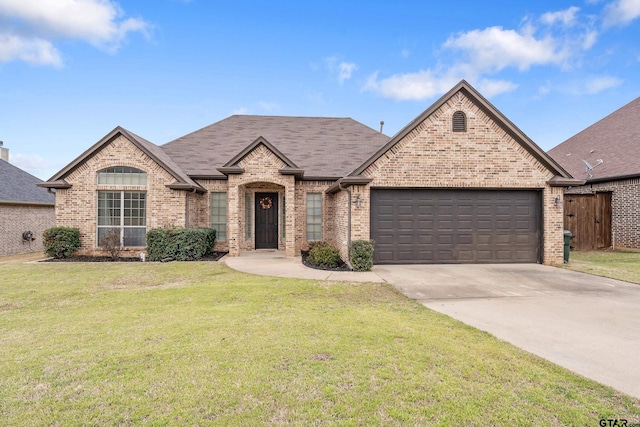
459	122
122	175
122	211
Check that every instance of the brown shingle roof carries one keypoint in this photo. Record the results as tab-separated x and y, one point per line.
322	147
614	139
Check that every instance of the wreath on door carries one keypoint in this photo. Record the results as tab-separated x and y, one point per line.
266	202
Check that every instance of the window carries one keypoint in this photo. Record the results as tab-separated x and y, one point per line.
218	217
314	216
124	211
248	215
459	122
121	175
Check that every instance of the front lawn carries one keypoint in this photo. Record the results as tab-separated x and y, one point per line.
199	344
613	264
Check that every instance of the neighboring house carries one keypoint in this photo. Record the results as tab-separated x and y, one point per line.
605	211
25	209
459	184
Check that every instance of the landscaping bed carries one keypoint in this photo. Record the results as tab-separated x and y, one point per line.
306	260
214	256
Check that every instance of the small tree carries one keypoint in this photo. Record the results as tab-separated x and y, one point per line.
110	242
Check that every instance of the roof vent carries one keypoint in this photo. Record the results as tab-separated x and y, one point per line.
381	125
459	122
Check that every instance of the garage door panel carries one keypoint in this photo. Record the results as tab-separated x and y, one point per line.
453	226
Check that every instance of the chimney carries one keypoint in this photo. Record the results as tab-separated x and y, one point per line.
4	153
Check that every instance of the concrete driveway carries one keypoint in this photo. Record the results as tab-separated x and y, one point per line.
588	324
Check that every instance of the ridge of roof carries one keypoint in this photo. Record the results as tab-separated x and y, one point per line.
321	146
489	109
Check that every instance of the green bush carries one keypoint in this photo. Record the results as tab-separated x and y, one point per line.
181	244
324	255
61	242
361	255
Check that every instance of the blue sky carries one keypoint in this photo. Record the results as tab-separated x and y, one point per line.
72	70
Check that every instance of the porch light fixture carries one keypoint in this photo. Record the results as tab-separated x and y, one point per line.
557	200
358	201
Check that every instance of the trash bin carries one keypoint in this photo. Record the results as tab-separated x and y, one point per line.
567	244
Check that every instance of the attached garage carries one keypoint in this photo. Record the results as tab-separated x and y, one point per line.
422	226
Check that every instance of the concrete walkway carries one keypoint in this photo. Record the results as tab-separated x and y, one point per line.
276	263
587	324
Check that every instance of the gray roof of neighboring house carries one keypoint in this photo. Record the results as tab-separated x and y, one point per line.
322	147
19	186
615	140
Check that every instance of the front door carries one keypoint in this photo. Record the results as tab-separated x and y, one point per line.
266	220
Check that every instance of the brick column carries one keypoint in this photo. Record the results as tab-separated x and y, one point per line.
233	217
290	216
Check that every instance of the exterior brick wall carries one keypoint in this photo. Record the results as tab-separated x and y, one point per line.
486	156
625	210
77	206
17	218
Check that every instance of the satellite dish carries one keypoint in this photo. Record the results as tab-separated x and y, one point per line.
590	167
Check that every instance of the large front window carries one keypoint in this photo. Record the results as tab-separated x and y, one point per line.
124	211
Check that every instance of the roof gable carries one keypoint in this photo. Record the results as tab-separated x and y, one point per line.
615	140
153	151
18	186
482	103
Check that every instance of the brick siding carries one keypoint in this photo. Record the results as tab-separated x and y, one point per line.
18	218
486	156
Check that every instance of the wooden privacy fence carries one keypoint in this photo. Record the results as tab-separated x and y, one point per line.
588	217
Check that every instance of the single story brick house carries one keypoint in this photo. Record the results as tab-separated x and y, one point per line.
458	184
25	210
605	211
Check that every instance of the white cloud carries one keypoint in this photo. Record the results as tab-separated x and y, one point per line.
409	86
495	48
621	12
98	22
405	53
343	70
34	51
556	39
566	17
598	84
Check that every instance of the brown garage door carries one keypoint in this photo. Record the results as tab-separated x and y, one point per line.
455	226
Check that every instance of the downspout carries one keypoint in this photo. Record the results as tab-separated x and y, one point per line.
348	261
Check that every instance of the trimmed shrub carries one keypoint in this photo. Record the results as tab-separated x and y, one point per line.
61	242
361	255
181	244
324	255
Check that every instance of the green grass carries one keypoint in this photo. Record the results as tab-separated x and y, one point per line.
616	265
200	344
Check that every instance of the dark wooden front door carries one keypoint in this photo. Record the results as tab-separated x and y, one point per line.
588	217
266	220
